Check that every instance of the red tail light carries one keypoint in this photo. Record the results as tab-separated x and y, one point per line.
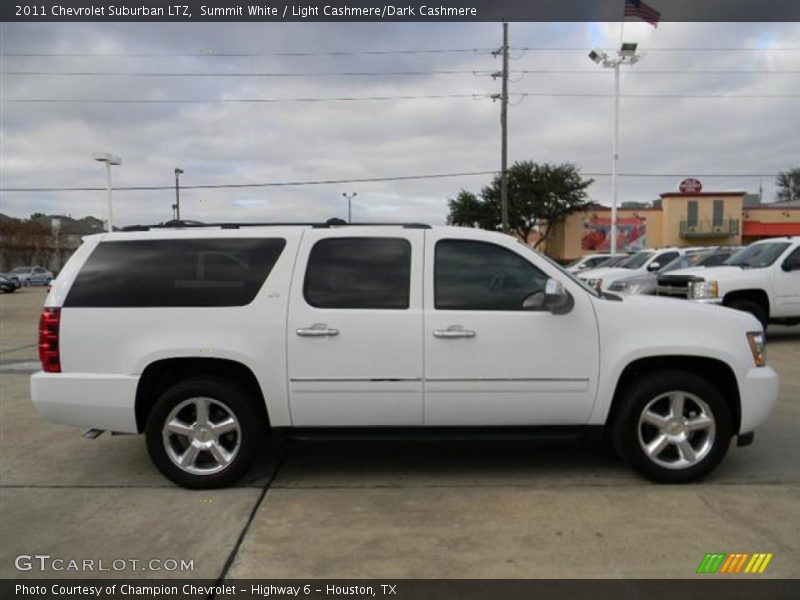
49	324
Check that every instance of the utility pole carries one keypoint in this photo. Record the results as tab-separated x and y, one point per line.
504	135
503	98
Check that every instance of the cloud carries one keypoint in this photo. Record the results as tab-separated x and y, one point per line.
52	144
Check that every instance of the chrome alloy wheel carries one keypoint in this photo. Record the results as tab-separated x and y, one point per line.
676	430
201	436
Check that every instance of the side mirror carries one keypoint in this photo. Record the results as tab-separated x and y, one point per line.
555	299
654	266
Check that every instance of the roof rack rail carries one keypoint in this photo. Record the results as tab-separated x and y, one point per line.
335	222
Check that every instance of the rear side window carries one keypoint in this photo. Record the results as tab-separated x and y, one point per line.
470	275
359	273
195	272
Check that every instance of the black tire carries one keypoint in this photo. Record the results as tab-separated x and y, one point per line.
225	396
629	435
754	308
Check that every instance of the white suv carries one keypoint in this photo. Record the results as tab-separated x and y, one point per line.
209	338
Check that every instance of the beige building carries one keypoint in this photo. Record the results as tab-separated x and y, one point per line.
682	219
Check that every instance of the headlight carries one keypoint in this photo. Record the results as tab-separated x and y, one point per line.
758	346
637	288
594	283
618	286
703	289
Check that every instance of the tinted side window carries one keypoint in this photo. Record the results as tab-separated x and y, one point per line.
196	272
792	262
472	275
665	258
359	273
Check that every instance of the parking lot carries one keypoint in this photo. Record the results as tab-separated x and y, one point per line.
387	509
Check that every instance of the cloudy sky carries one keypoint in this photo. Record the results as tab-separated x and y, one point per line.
51	144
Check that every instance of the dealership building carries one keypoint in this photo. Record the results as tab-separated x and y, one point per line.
688	217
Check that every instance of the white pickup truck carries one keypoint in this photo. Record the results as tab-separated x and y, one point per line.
762	279
209	338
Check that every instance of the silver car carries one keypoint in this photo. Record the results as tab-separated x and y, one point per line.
32	275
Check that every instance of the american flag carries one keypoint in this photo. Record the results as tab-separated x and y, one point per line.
637	8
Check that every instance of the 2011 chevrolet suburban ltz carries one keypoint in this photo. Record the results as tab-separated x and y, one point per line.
208	338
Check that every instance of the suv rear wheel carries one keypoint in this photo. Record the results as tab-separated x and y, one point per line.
673	427
204	433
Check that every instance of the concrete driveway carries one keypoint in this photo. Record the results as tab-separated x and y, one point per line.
386	509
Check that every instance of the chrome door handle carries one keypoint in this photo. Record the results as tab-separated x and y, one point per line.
454	331
317	330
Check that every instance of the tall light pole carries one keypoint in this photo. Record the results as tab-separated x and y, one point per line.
626	55
349	205
178	173
110	160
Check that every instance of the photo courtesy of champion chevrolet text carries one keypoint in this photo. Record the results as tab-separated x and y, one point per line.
452	299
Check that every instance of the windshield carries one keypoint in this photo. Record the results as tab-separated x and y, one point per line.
684	262
757	256
637	260
614	261
575	263
563	271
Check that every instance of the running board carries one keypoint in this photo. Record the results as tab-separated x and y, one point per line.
93	434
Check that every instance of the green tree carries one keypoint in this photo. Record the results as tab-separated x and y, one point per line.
788	183
540	196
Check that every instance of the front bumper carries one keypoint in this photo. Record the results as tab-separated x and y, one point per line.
87	400
758	392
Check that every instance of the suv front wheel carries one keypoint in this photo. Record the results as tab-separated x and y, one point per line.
673	427
203	433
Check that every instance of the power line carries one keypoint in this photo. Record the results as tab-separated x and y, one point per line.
381	98
246	74
385	73
599	95
664	49
209	53
148	188
656	72
239	100
151	188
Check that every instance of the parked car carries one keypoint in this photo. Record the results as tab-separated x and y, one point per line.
330	329
762	279
8	283
647	283
644	261
33	275
590	261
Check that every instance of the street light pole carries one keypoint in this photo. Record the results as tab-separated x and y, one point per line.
178	173
349	205
626	55
109	159
615	157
